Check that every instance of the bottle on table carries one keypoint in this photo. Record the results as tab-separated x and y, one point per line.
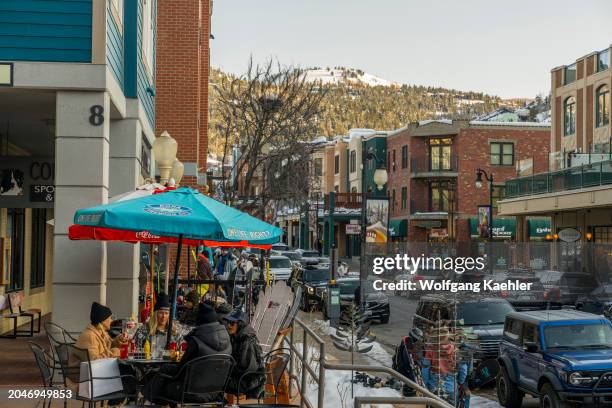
147	349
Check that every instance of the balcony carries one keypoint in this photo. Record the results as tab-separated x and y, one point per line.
431	166
346	200
573	178
425	210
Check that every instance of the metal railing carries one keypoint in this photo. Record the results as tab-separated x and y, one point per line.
301	357
429	164
587	175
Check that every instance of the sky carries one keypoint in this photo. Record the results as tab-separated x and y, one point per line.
504	48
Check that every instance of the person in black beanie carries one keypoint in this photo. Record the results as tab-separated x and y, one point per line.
209	337
95	337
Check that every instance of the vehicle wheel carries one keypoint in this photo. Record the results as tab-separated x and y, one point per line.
508	393
549	398
385	319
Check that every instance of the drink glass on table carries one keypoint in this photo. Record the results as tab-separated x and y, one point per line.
124	351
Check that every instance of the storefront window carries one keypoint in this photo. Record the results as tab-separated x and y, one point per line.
39	241
602	235
16	233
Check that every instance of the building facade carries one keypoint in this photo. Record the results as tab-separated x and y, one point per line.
77	120
576	189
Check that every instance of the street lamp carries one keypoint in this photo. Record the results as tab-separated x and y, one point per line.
178	169
164	148
489	177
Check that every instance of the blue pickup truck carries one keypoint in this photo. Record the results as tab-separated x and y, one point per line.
563	357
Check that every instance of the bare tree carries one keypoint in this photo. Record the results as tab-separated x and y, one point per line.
268	118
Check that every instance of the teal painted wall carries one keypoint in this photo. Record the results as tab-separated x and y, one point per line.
145	77
114	45
49	30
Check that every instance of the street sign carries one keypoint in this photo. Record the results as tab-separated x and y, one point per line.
353	229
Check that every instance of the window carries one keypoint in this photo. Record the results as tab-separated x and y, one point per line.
337	188
530	334
145	158
336	164
602	109
404	198
405	157
440	154
499	193
439	196
394	160
512	329
502	154
16	232
569	116
570	74
148	35
39	243
318	167
603	60
602	235
353	161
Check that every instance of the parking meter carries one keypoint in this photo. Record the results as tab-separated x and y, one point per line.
333	303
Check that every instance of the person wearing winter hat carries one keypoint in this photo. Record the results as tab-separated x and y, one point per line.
157	325
247	354
190	314
209	337
95	337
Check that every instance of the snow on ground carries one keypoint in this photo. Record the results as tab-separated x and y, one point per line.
338	383
335	76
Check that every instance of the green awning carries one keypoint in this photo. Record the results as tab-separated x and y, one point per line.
503	228
398	228
538	228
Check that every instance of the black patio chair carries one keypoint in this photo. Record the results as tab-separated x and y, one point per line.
71	357
275	364
200	378
57	335
44	362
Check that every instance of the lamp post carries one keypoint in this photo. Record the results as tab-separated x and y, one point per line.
380	178
489	177
164	148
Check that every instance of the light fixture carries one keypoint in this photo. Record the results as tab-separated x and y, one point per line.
589	235
178	169
478	179
380	178
548	237
555	236
164	149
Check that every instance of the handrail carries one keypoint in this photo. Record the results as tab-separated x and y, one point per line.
430	398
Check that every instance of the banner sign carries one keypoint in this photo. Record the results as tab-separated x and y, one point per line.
27	182
484	221
377	219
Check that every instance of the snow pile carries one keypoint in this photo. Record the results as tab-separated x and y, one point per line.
346	75
427	122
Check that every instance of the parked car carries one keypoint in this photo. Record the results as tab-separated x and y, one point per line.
523	300
312	279
484	316
562	357
280	246
376	302
280	267
567	287
420	275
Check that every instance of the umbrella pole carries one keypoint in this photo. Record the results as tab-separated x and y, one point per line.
151	286
188	266
177	266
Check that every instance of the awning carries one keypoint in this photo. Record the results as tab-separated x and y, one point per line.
398	228
503	228
538	228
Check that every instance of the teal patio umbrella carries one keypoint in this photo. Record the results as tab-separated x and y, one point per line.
176	215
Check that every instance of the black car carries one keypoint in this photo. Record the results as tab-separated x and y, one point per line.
484	316
313	279
376	302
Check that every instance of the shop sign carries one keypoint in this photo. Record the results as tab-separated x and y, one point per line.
27	182
427	224
569	235
438	233
502	232
353	229
377	220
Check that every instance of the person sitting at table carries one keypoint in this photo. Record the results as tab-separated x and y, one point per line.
209	337
157	325
247	354
190	314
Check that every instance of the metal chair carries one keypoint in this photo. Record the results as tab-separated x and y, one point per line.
275	364
57	335
43	360
70	358
200	378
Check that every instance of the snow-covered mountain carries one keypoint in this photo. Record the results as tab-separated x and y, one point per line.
341	74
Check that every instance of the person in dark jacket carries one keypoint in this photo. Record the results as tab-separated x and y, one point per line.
203	265
190	315
247	354
209	337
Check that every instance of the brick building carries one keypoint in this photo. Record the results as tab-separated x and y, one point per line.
432	172
183	59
